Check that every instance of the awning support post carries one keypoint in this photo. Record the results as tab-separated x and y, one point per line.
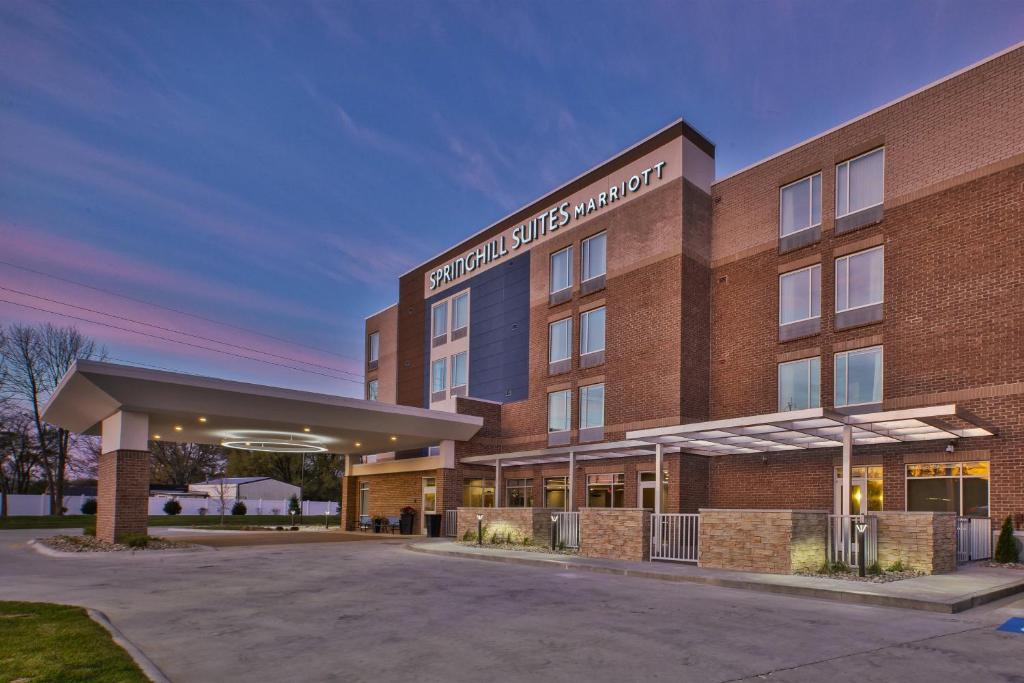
572	482
659	453
847	467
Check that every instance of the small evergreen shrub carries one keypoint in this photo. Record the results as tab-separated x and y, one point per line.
1006	546
89	530
89	507
293	505
238	508
875	569
135	540
172	507
898	566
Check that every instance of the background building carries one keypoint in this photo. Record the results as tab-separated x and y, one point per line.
247	488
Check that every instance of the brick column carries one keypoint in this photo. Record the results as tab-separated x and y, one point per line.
122	500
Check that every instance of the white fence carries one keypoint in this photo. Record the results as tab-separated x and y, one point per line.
675	536
567	529
842	539
20	505
973	539
451	522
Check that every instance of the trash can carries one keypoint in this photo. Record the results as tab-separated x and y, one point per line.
433	521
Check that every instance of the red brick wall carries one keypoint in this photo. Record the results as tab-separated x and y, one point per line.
122	496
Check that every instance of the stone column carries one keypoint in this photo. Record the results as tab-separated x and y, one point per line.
122	496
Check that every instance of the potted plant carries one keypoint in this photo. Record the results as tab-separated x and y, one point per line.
405	522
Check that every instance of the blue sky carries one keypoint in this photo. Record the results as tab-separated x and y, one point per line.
205	171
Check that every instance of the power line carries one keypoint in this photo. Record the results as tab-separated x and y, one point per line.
185	334
174	310
178	341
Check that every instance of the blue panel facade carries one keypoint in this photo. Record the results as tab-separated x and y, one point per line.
499	331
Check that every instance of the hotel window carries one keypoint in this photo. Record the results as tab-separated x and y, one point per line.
519	493
858	379
606	490
592	337
559	411
439	323
800	205
459	373
594	266
591	412
949	487
478	493
860	279
556	492
800	295
364	499
800	384
460	315
561	270
373	349
438	378
860	182
560	341
371	390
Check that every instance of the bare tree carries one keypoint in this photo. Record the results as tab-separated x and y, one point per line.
182	464
18	454
34	360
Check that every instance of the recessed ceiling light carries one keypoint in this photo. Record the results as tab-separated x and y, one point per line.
394	438
202	419
156	436
358	444
177	428
305	429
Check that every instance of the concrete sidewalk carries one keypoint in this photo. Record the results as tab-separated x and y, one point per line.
969	587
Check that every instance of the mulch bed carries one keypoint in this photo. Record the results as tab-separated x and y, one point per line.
519	546
90	544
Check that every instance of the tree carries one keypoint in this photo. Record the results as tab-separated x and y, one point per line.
182	464
1006	546
35	359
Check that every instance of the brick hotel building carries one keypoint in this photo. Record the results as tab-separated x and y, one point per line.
873	269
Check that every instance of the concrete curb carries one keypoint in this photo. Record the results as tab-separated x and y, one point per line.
942	606
151	670
50	552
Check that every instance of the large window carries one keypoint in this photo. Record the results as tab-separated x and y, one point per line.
364	498
478	493
800	384
860	182
459	369
800	205
559	410
556	492
858	379
518	493
460	311
438	375
606	490
371	390
860	279
594	256
592	406
592	331
800	295
439	320
561	270
373	347
949	487
560	340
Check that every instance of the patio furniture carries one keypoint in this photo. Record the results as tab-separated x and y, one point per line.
393	523
365	522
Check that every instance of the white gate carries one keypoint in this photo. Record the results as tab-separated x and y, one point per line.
973	539
675	536
451	522
567	529
842	539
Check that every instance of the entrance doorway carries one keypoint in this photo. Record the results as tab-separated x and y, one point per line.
646	485
865	490
429	505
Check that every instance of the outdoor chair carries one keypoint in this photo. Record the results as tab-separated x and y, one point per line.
394	524
365	522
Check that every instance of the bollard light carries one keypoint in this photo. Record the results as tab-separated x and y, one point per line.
479	528
861	527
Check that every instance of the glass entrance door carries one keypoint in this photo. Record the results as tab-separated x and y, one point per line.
429	500
646	485
865	490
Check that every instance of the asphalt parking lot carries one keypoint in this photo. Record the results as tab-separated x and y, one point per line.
375	611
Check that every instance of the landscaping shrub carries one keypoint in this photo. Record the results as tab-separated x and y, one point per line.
89	507
469	536
1006	546
238	508
172	507
898	566
135	540
89	530
293	504
875	569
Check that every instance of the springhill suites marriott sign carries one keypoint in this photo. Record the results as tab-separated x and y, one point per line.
540	225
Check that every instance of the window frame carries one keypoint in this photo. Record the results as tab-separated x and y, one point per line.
433	320
835	274
778	379
583	257
464	294
364	498
568	346
847	163
564	480
583	329
568	411
551	260
444	374
586	388
524	485
960	476
451	379
810	290
809	179
846	379
618	479
373	347
372	390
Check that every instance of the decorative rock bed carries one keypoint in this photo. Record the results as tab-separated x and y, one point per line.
519	546
89	544
884	577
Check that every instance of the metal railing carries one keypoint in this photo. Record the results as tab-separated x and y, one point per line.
451	522
973	539
675	536
842	539
567	529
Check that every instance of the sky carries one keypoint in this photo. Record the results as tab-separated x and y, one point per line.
230	188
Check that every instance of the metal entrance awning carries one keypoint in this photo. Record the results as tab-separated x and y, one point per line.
597	451
815	428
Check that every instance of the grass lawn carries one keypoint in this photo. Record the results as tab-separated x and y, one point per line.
79	521
44	642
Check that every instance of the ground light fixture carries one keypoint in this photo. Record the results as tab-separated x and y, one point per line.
554	530
479	528
861	527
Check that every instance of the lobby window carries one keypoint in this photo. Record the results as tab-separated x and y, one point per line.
371	390
594	266
592	412
861	478
439	323
438	377
800	295
860	182
556	493
606	490
561	271
592	337
460	315
559	410
800	384
478	493
560	346
800	205
858	379
519	493
960	487
373	349
364	499
860	279
460	373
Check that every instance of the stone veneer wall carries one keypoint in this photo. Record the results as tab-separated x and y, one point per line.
773	541
532	523
924	540
616	533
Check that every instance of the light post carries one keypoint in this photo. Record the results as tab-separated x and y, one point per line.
554	530
861	528
292	513
479	528
327	513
